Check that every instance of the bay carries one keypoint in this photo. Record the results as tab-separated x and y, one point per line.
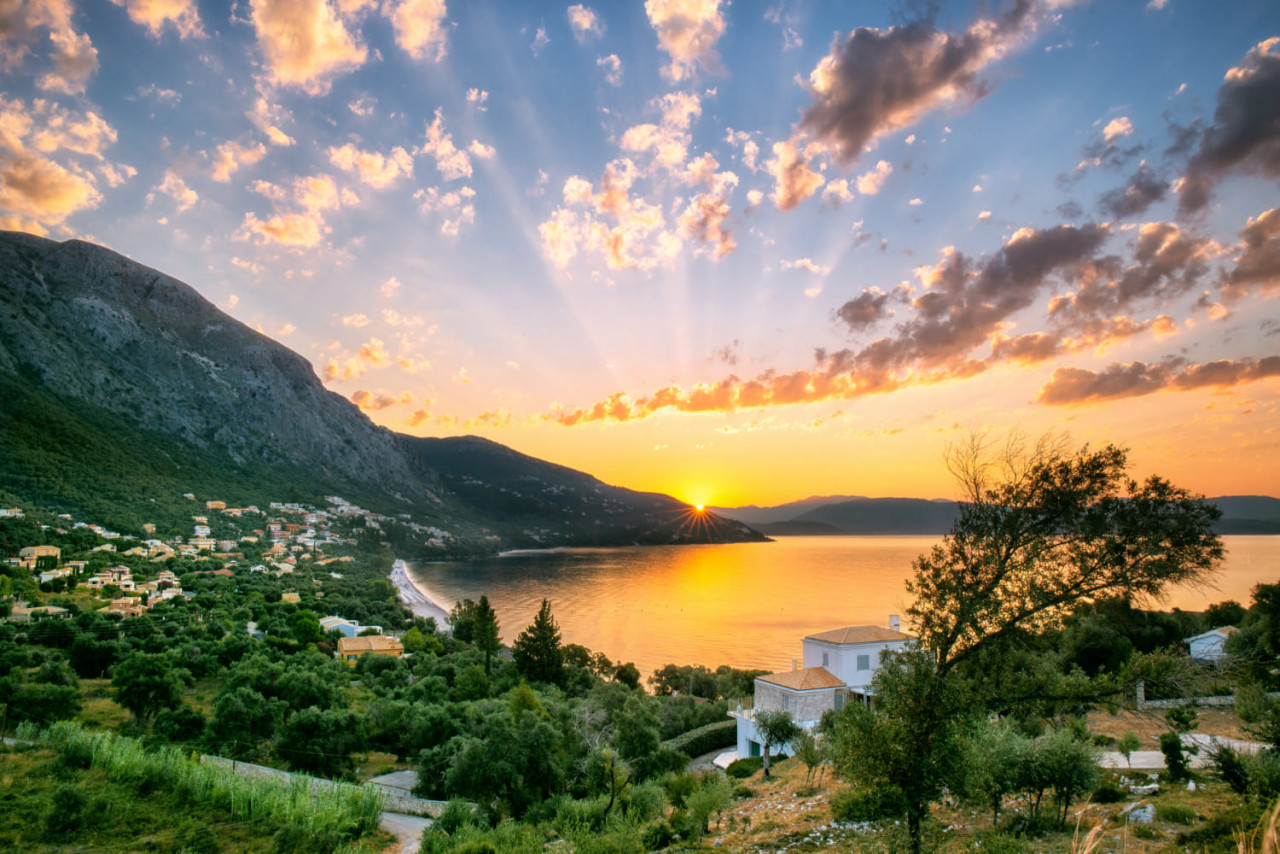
742	604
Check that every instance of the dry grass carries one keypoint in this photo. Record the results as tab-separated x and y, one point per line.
1148	725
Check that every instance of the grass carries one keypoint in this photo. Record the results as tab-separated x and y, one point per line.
99	710
301	818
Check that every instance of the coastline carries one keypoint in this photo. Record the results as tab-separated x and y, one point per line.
418	598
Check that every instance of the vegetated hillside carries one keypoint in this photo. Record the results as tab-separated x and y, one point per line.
1241	514
1248	514
123	385
755	515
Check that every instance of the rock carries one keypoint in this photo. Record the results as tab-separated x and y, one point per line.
1145	790
1146	815
1191	786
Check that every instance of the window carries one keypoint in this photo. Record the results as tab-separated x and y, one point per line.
786	704
825	662
864	662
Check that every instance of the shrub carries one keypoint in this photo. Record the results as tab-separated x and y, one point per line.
647	801
705	739
457	814
64	812
1251	703
741	769
743	792
1264	775
1108	793
658	835
1145	831
1218	834
1176	813
680	786
1174	757
1230	767
995	842
863	805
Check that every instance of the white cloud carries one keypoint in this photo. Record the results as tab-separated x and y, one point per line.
479	98
540	40
420	27
177	189
612	67
1117	127
182	15
232	155
305	43
585	23
375	169
688	31
451	162
869	183
806	264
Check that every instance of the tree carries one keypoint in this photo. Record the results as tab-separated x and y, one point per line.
1040	530
775	729
146	684
462	620
484	630
537	651
1128	743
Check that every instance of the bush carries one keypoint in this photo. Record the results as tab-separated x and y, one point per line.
1230	767
1251	703
658	835
1145	831
680	786
647	801
1174	757
1264	775
994	842
863	805
744	792
741	769
1176	813
64	812
457	814
1218	834
705	739
1108	793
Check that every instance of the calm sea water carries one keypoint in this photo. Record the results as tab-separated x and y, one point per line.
747	605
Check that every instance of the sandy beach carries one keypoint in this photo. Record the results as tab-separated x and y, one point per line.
418	598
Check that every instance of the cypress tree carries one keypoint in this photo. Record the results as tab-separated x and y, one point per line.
537	651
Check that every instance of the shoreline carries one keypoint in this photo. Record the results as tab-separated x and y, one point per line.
417	597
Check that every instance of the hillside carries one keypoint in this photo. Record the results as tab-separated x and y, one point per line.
835	515
125	388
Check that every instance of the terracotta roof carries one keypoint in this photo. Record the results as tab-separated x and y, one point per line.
370	643
808	679
859	634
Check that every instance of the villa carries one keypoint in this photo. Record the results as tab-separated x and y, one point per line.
838	668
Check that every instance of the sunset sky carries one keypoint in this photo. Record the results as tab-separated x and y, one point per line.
738	253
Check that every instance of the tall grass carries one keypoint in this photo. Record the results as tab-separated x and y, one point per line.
314	817
1264	839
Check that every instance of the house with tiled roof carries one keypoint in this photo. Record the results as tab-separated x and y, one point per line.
838	668
1210	646
350	649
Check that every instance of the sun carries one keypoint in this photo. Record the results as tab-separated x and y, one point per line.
700	507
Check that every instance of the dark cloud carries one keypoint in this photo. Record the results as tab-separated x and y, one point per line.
877	81
1070	210
1074	386
1143	190
1258	265
865	310
1246	127
1029	348
1184	138
1166	264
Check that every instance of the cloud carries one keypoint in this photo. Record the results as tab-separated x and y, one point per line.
837	192
155	14
372	354
303	226
585	23
42	190
231	155
540	40
1116	128
1245	134
1143	190
868	308
612	68
75	59
668	141
371	402
876	82
704	220
1074	386
479	98
1257	267
356	320
688	31
267	117
421	27
304	43
375	169
870	183
479	149
794	179
363	107
177	189
451	162
806	264
455	206
915	203
984	216
391	287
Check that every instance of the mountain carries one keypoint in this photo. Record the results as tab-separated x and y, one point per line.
1241	514
124	388
753	515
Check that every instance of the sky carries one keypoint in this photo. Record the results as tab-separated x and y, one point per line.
739	253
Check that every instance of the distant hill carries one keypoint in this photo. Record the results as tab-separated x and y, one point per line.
834	516
123	388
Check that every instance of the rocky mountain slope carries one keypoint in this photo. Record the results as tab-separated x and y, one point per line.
116	376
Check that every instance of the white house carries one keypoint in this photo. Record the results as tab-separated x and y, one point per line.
838	667
1210	646
348	628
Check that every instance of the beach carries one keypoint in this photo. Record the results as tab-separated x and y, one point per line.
418	598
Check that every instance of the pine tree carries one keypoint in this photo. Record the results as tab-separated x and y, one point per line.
484	631
537	651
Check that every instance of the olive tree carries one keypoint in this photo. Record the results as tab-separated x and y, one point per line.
1041	529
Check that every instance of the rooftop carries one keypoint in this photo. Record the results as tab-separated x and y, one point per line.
859	634
808	679
370	643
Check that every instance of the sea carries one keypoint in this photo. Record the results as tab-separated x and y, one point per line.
741	604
